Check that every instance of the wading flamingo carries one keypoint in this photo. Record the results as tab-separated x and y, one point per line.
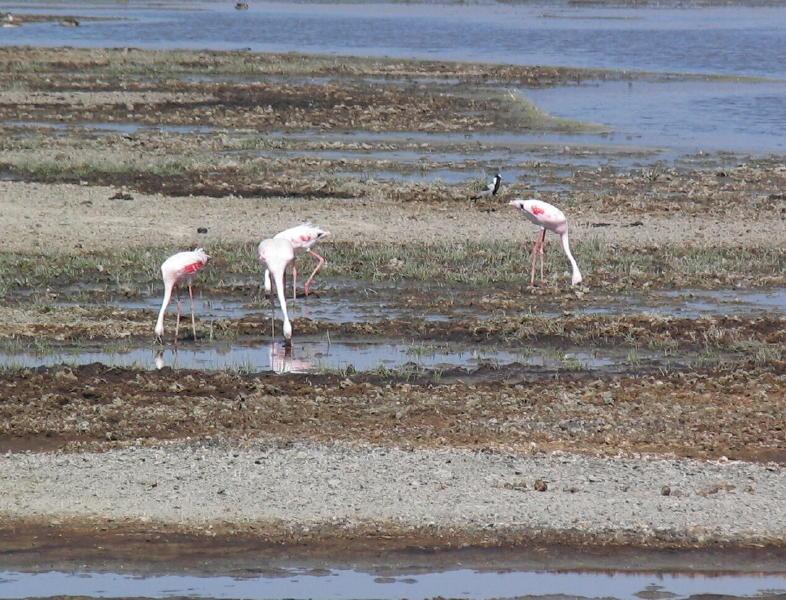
277	254
491	188
182	265
550	218
302	237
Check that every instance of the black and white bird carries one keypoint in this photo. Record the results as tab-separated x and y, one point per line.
491	189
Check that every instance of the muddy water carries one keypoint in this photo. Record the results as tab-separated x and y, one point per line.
314	355
697	303
339	304
734	300
341	583
325	308
111	127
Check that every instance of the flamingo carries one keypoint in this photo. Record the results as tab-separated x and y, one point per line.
277	254
176	267
302	237
491	188
547	217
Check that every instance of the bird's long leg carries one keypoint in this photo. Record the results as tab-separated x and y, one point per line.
294	282
542	252
534	259
272	312
177	321
191	302
320	261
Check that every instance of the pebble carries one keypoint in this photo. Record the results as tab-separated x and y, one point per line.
303	483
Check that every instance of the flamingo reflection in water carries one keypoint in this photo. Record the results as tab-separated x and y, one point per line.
283	360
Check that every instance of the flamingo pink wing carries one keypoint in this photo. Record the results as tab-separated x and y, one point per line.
192	268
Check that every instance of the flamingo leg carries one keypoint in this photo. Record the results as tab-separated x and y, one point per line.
272	310
191	302
294	282
534	260
320	261
177	320
542	252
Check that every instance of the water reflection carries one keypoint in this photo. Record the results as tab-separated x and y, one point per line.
345	583
280	359
286	359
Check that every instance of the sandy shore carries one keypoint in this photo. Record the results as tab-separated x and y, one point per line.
452	497
53	219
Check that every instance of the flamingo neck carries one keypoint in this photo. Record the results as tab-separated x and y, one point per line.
167	297
282	300
576	274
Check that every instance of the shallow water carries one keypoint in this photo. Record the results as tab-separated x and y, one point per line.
729	40
325	308
695	303
313	355
111	126
338	304
349	584
734	301
688	116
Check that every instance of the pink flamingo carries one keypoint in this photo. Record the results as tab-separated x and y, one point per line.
302	237
548	217
176	267
277	254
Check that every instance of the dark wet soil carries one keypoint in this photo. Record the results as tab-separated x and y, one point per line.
733	412
151	549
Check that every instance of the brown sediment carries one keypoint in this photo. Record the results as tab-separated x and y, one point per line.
151	546
733	412
85	323
161	63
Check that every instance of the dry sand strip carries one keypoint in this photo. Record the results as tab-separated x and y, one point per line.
74	219
459	496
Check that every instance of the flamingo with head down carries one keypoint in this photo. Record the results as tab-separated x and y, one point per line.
183	265
550	218
276	255
302	237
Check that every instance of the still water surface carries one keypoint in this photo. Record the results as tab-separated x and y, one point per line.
459	583
735	116
728	40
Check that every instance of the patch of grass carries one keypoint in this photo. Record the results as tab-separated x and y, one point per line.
153	64
467	263
519	112
101	170
570	363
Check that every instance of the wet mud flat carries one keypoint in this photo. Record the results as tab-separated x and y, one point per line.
698	394
319	127
730	411
425	366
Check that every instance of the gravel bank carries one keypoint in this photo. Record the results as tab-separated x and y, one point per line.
349	488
